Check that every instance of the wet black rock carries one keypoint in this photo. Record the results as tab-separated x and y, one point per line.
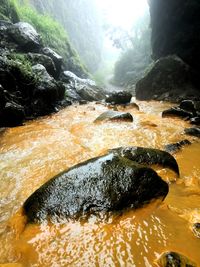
107	183
11	115
168	79
44	60
121	97
195	131
47	91
196	229
188	105
175	147
174	259
148	156
188	109
112	115
195	120
57	59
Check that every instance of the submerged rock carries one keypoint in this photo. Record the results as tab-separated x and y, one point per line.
173	148
148	156
196	229
119	98
106	183
115	115
174	259
193	131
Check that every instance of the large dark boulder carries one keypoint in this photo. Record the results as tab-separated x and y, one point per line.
121	97
168	79
108	183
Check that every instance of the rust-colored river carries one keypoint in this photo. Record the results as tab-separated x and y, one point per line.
32	154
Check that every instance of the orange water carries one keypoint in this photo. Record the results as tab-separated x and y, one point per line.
32	154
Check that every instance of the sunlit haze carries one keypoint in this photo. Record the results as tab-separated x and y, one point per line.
123	13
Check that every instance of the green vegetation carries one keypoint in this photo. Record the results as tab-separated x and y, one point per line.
8	11
52	33
22	66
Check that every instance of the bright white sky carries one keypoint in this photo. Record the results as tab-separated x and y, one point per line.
123	13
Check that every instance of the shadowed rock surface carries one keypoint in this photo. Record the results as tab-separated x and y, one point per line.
148	156
174	259
193	131
168	79
112	115
107	183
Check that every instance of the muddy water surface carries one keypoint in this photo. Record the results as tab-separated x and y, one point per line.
32	154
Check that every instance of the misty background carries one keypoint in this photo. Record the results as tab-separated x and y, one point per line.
112	38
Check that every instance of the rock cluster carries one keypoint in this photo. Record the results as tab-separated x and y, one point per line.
188	110
32	80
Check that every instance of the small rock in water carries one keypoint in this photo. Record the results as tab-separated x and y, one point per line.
173	148
196	229
114	115
195	120
174	259
119	98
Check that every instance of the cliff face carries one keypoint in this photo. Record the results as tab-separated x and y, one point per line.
80	19
175	29
175	46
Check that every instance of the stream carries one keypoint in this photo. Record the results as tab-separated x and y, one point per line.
32	154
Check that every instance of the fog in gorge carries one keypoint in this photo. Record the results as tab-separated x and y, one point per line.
111	37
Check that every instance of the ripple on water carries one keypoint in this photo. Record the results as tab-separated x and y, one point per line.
32	154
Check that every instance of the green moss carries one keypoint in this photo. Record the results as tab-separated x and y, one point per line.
20	63
8	11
